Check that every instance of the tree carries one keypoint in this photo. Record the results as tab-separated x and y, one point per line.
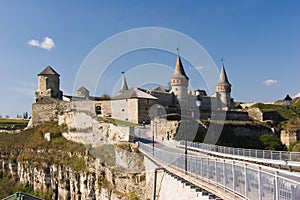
25	115
105	97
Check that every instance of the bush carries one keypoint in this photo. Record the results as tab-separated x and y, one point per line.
271	142
295	147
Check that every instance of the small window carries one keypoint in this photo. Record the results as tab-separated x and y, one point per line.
123	109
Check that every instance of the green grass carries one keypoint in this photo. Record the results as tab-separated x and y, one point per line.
117	121
6	122
293	112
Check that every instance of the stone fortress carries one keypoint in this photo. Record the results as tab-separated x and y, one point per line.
81	112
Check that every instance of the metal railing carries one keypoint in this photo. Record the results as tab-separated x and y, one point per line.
238	178
287	158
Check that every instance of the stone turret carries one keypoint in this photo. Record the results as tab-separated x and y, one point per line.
48	85
179	82
223	90
83	92
124	86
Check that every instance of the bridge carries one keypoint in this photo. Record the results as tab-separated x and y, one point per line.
216	172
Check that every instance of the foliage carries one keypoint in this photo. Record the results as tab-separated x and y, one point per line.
116	121
229	138
291	124
106	153
132	196
284	113
8	185
271	142
105	97
295	147
31	146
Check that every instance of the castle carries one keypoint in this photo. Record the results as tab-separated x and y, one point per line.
133	104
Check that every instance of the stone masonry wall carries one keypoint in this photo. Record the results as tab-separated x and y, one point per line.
288	137
48	112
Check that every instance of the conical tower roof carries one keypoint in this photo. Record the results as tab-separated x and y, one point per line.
48	71
124	85
179	70
223	80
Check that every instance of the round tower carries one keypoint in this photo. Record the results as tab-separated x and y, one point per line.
223	90
179	82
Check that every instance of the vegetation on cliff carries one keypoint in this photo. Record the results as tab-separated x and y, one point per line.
249	135
30	146
293	112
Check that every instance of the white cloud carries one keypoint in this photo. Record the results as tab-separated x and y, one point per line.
33	43
270	82
47	44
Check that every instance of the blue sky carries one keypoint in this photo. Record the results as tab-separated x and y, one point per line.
259	41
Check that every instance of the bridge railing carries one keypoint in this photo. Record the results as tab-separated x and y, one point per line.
238	178
252	153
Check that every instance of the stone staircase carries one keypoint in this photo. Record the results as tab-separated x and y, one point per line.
184	189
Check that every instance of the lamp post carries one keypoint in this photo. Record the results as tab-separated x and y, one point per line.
287	102
185	117
153	125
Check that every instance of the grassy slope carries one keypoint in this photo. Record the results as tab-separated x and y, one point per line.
293	112
25	146
4	122
30	146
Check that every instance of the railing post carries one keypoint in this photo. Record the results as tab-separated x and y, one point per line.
217	181
233	177
225	176
280	155
256	153
271	155
201	168
196	172
259	184
277	192
208	178
246	180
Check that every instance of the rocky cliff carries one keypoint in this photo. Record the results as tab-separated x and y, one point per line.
62	169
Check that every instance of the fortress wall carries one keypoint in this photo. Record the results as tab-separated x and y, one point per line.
288	137
105	107
119	109
144	106
48	112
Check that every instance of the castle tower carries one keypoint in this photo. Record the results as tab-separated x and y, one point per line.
83	92
124	86
179	82
223	90
48	85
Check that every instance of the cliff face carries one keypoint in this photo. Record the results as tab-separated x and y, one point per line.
62	169
94	179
